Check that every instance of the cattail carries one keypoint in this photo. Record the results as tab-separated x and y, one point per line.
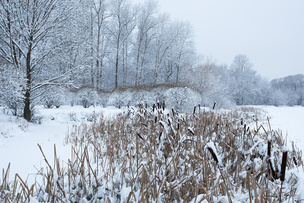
271	170
160	134
213	154
191	131
283	170
295	161
214	105
194	110
283	166
269	149
140	136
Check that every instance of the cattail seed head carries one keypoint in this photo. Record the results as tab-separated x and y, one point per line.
269	149
214	105
213	154
140	136
283	166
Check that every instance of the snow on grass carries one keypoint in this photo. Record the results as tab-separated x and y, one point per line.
19	139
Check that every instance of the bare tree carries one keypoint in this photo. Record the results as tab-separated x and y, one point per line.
146	25
122	25
26	25
241	63
244	80
205	79
99	17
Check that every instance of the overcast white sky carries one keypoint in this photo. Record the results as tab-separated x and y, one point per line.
269	32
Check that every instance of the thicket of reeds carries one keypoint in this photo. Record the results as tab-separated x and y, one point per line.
148	155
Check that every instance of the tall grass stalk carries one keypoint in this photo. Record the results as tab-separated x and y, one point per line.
151	155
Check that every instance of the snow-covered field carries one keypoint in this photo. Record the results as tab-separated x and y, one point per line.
290	120
19	139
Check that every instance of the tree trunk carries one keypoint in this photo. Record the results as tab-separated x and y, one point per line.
117	61
97	57
27	114
92	49
126	65
98	49
137	64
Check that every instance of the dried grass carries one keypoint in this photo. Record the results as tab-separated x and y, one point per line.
147	155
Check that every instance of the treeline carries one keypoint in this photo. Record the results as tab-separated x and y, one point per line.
50	47
240	84
103	44
289	90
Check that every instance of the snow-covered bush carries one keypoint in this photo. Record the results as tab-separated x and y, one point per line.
11	94
182	99
53	97
87	97
52	101
119	98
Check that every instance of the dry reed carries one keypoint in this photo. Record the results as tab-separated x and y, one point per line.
150	155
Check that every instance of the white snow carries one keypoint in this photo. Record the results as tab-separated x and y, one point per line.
19	139
290	120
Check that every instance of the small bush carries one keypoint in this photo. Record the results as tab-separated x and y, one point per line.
37	119
85	103
50	102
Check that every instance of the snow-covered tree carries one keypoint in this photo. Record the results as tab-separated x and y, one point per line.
243	80
181	55
205	79
292	87
27	29
146	25
121	26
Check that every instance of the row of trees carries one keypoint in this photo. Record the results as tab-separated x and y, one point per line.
103	44
235	84
120	44
52	46
289	90
241	85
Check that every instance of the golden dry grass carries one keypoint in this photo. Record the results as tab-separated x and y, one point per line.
147	155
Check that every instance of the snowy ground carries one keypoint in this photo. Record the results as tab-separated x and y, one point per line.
19	139
290	120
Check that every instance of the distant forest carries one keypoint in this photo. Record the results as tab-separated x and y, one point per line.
50	49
